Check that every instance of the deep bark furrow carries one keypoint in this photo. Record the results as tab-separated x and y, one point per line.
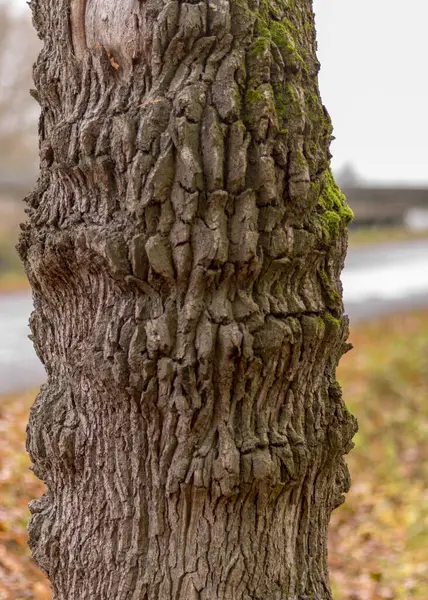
184	246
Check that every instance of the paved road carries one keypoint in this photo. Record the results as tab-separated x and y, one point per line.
19	366
384	278
376	280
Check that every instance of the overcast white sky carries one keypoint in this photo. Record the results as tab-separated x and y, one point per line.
374	83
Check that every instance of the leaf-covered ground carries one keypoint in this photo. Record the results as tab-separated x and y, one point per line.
19	577
379	538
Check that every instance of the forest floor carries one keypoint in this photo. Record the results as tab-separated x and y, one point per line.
378	539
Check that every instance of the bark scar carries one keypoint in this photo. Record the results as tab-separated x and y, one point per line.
77	23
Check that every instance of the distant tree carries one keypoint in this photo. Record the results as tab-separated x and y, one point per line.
18	110
184	247
348	177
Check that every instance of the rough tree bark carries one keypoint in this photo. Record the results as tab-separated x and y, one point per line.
184	246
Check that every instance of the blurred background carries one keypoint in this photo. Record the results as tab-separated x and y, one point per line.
373	57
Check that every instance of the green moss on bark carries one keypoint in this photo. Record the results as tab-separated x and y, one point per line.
282	37
333	200
332	319
272	27
332	213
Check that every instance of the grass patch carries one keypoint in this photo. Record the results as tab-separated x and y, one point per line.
380	235
13	282
12	274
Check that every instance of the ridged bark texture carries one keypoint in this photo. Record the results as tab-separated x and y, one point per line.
184	246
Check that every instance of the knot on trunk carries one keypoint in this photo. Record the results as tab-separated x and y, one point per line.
117	27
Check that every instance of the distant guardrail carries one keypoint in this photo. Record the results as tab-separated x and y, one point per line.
384	206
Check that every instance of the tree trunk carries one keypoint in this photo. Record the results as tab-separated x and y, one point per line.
184	246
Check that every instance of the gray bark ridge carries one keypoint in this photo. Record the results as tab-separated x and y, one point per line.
184	246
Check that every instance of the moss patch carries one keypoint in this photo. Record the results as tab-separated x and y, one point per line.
333	200
282	37
273	27
332	320
332	213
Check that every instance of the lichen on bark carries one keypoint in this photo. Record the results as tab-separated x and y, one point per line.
184	246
